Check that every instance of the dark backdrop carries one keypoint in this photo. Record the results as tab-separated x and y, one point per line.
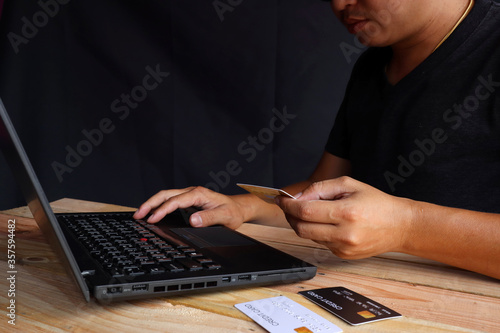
117	99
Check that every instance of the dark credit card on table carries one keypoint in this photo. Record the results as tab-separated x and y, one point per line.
349	306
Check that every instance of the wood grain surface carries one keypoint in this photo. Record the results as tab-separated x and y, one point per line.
431	296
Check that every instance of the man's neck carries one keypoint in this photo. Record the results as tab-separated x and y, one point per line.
411	52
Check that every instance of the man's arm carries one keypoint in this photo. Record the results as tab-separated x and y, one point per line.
232	211
355	220
462	238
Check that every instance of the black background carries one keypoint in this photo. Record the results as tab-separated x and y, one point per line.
229	68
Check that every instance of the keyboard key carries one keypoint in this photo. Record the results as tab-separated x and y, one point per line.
164	260
195	254
174	268
191	264
133	271
153	269
116	272
213	266
203	260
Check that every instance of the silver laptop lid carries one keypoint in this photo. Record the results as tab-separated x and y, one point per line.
31	188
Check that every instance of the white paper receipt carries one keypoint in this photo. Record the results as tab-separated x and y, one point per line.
282	315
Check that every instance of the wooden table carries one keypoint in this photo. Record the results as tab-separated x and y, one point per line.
431	296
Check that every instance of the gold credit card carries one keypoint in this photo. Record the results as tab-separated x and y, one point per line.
265	193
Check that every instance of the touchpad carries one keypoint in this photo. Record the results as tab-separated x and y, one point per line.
212	237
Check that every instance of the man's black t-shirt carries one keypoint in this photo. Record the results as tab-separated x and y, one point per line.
435	135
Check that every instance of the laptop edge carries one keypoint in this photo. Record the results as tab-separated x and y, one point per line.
36	199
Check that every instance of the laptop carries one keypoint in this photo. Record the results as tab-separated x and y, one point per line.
113	257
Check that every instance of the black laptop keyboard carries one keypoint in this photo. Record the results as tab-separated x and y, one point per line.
127	247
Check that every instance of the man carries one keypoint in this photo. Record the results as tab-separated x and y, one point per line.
413	161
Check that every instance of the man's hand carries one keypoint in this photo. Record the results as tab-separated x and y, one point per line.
352	219
216	208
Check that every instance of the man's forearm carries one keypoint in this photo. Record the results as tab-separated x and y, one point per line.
462	238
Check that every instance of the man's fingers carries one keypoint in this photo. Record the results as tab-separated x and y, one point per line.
340	241
156	205
183	200
316	231
318	211
322	202
332	189
215	216
215	207
142	212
